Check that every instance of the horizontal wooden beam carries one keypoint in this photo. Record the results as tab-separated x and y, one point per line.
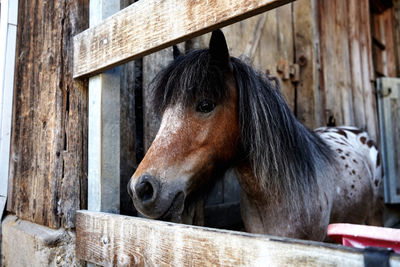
151	25
116	240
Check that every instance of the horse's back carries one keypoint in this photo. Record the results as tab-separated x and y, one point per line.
358	181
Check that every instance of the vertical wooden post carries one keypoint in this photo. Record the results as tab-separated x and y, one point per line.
8	35
104	126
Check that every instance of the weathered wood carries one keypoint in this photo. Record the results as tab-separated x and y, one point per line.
347	92
335	60
73	169
48	167
355	31
254	41
275	51
117	240
383	46
146	27
306	56
371	120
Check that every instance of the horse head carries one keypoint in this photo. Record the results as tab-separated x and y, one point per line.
199	131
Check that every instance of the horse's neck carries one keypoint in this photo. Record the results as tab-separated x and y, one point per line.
261	216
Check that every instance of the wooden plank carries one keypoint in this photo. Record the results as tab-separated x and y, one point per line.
146	26
306	57
355	30
115	240
8	35
336	61
48	167
341	69
284	53
383	46
346	64
369	96
330	94
396	35
104	127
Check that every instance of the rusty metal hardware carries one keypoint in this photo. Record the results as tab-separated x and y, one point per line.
295	72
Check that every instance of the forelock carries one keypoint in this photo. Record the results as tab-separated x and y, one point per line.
187	79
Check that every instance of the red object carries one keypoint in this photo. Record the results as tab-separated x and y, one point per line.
361	236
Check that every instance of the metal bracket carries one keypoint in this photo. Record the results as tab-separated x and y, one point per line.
287	71
294	73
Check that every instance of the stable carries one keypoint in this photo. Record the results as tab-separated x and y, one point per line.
80	121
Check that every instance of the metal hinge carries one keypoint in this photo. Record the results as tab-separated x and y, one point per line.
287	71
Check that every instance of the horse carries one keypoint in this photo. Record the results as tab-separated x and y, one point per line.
219	113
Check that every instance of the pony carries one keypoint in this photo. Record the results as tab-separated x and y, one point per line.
219	113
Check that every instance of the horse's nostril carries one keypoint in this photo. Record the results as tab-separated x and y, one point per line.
144	191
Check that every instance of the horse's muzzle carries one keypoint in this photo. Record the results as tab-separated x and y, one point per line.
156	200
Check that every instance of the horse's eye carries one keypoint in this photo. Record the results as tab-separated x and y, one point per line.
205	106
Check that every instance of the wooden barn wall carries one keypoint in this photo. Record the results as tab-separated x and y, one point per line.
346	85
385	37
48	168
319	50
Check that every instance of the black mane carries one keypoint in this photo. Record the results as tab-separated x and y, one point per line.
188	78
284	154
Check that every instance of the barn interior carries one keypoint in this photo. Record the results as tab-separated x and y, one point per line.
336	62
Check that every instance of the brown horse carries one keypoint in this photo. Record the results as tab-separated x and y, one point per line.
218	113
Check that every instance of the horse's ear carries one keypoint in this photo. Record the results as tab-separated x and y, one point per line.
219	52
176	52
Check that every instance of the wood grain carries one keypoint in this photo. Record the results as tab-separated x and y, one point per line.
48	167
146	26
346	88
306	57
115	240
369	95
355	44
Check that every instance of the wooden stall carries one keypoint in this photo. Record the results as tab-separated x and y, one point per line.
81	118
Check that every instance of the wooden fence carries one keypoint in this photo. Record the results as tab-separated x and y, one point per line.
116	240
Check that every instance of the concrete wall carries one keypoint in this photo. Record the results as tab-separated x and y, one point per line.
28	244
